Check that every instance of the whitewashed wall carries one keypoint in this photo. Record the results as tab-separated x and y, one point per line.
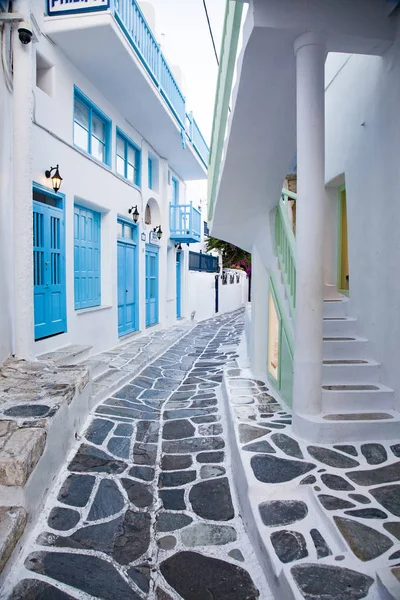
363	149
200	295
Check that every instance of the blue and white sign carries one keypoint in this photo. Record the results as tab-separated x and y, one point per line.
153	238
68	7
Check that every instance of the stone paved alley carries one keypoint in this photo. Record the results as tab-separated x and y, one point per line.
145	507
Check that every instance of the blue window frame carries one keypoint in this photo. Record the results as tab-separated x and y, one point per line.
86	257
150	172
175	191
92	128
128	158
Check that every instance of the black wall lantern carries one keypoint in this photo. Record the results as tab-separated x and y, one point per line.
158	231
178	247
56	179
135	213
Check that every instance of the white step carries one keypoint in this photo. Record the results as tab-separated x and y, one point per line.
339	326
335	308
357	398
340	348
348	426
67	355
96	366
363	371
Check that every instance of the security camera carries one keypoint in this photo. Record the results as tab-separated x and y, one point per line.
25	33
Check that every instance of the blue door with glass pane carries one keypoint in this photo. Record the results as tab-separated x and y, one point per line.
48	269
178	285
151	286
127	288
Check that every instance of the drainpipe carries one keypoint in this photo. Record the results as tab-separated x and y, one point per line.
22	188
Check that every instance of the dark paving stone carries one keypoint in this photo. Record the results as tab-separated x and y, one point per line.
34	589
333	502
87	573
141	576
386	474
144	454
27	410
173	499
330	583
210	457
347	448
395	555
176	478
236	555
211	499
208	471
171	522
139	494
367	513
171	462
162	595
360	498
124	430
76	490
203	402
206	419
186	413
63	519
289	545
93	459
142	382
365	542
309	480
165	384
129	413
278	513
211	429
272	425
119	446
107	502
142	472
248	433
147	431
393	528
332	458
375	454
263	446
128	392
177	430
98	430
156	394
396	450
193	445
167	542
205	534
271	469
210	578
320	544
335	482
389	497
287	444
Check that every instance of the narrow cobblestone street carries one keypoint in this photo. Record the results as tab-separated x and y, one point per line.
146	507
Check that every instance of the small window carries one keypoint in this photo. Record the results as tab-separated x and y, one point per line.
86	257
44	74
175	191
126	231
150	172
92	129
128	159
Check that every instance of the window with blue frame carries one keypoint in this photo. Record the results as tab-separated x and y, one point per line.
92	129
87	281
175	191
128	159
150	172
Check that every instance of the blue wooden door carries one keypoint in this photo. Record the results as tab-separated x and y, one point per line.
127	303
151	287
178	285
48	270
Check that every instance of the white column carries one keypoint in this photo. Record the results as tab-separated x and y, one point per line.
22	167
310	61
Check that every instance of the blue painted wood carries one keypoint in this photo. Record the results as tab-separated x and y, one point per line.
128	158
151	285
184	223
94	135
49	287
127	279
178	285
150	172
87	276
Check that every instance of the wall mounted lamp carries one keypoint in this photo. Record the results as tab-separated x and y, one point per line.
56	179
178	247
159	232
134	212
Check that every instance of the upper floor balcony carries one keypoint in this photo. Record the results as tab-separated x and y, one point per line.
184	223
112	44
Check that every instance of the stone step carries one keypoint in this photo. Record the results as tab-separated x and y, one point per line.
108	382
12	525
67	355
361	397
96	365
337	348
350	371
335	308
339	326
389	579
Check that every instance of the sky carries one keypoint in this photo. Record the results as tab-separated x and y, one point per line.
182	31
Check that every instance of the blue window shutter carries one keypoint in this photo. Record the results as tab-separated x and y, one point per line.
150	174
86	257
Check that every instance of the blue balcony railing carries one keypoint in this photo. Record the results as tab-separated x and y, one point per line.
184	223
